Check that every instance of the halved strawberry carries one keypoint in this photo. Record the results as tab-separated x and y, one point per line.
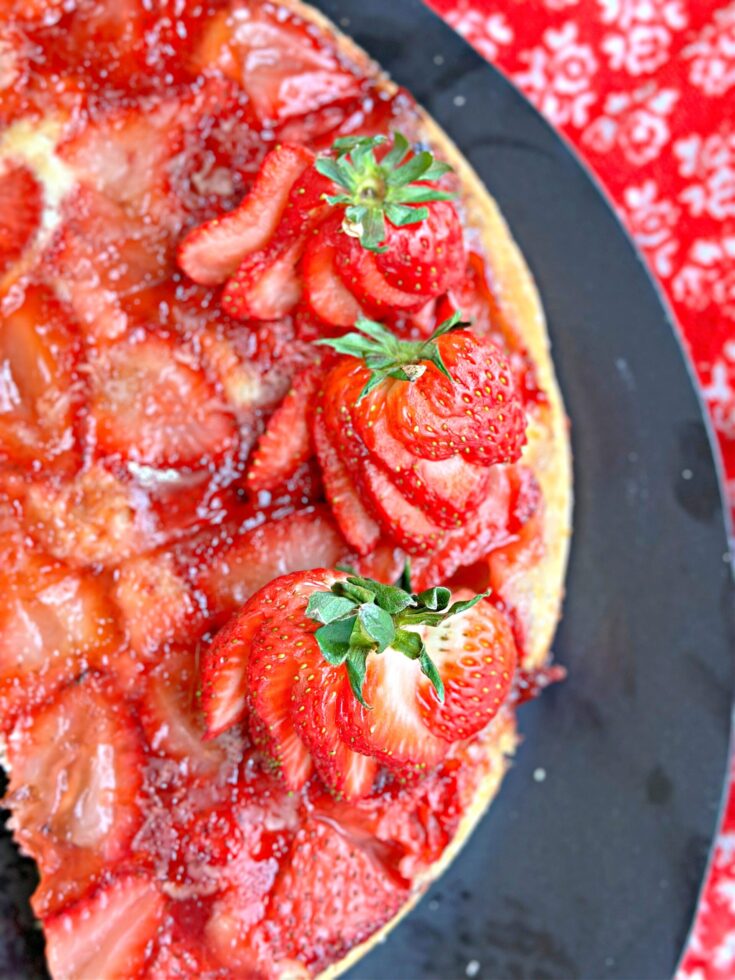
76	773
110	934
283	67
212	252
362	276
331	895
41	385
21	203
315	695
302	540
55	624
357	525
286	442
97	518
225	662
476	656
151	404
266	285
325	294
156	603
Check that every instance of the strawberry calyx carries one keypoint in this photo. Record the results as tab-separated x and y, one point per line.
375	190
388	356
360	616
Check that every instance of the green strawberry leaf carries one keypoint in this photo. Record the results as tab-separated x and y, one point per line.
428	667
436	598
378	624
325	607
356	665
334	640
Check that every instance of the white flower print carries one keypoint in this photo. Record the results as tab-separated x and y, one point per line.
711	161
719	392
487	32
724	955
560	4
708	275
652	222
712	55
635	122
643	41
559	76
726	891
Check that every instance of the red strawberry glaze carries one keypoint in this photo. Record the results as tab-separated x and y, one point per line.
125	544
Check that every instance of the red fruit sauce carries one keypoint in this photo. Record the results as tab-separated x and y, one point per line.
127	535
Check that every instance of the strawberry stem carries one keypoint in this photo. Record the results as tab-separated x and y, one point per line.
388	356
374	191
360	617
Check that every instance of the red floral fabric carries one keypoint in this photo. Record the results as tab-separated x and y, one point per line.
645	89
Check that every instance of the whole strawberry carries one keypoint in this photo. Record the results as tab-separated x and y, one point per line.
342	674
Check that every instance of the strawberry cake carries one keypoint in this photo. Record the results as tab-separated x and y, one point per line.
284	488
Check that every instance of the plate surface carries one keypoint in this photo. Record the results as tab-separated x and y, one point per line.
594	870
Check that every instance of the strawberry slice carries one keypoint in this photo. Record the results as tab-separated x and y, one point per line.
110	934
21	203
315	695
393	730
355	522
331	895
359	271
212	252
284	68
156	603
325	295
54	624
96	518
76	772
410	527
40	383
302	540
150	404
476	656
225	662
286	443
266	285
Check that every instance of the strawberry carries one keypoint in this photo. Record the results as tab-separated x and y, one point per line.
76	775
325	295
21	203
265	286
139	390
111	933
212	252
55	623
286	442
285	70
331	895
362	276
41	385
303	659
427	259
297	541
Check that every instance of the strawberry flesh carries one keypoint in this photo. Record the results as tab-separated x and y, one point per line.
21	203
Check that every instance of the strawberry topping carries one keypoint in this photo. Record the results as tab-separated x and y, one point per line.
21	202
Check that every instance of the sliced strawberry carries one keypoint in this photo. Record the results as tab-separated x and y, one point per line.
384	564
152	405
94	519
285	69
303	540
392	730
156	603
212	252
476	656
225	662
55	624
266	285
361	275
76	772
325	294
111	934
286	442
172	717
355	522
408	525
21	203
181	959
100	256
315	695
40	383
331	895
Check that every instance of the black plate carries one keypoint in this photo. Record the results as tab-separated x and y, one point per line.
594	871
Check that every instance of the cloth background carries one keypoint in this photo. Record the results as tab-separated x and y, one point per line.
645	90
